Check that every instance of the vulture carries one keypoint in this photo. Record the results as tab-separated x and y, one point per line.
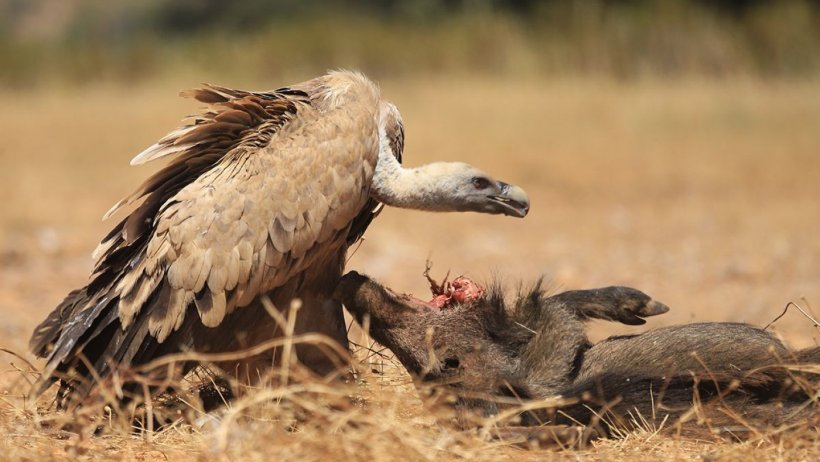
263	195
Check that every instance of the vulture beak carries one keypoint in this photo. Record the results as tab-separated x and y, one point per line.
511	201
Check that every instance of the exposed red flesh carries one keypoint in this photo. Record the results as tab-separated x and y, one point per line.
462	290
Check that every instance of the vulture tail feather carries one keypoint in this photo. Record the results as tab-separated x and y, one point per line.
96	336
78	315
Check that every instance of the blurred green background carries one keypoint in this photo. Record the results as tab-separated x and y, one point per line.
81	42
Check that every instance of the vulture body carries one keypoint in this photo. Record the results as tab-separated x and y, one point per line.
263	196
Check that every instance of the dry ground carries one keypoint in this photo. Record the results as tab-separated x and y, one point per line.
703	194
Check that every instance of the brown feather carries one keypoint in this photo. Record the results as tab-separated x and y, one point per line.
211	307
254	285
245	260
131	303
205	269
169	313
204	95
218	276
158	318
235	116
273	257
210	132
180	271
280	236
192	270
232	270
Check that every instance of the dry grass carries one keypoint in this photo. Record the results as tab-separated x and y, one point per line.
703	194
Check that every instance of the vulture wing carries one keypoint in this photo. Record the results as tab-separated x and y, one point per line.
261	187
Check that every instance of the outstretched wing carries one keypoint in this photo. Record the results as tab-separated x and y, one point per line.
262	186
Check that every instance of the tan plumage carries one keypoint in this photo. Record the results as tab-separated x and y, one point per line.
265	192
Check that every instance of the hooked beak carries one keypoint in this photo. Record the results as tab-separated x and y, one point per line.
512	201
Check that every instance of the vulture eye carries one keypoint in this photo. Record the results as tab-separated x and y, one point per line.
481	183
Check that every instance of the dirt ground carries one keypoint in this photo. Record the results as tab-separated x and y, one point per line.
704	194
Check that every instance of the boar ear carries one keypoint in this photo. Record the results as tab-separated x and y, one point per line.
530	300
495	297
500	322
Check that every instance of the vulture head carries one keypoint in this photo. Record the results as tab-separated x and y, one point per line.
439	186
460	187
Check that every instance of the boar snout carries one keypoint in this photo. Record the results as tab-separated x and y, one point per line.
348	285
352	291
364	297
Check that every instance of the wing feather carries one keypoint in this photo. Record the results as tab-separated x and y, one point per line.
211	306
272	256
281	234
254	284
245	260
191	271
232	270
204	270
181	272
218	276
130	303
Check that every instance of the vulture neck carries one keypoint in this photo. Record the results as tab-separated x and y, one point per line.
428	187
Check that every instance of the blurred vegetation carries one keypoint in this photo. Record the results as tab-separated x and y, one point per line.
85	41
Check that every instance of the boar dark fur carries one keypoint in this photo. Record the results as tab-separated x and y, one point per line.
494	353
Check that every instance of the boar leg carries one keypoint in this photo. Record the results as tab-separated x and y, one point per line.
623	304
